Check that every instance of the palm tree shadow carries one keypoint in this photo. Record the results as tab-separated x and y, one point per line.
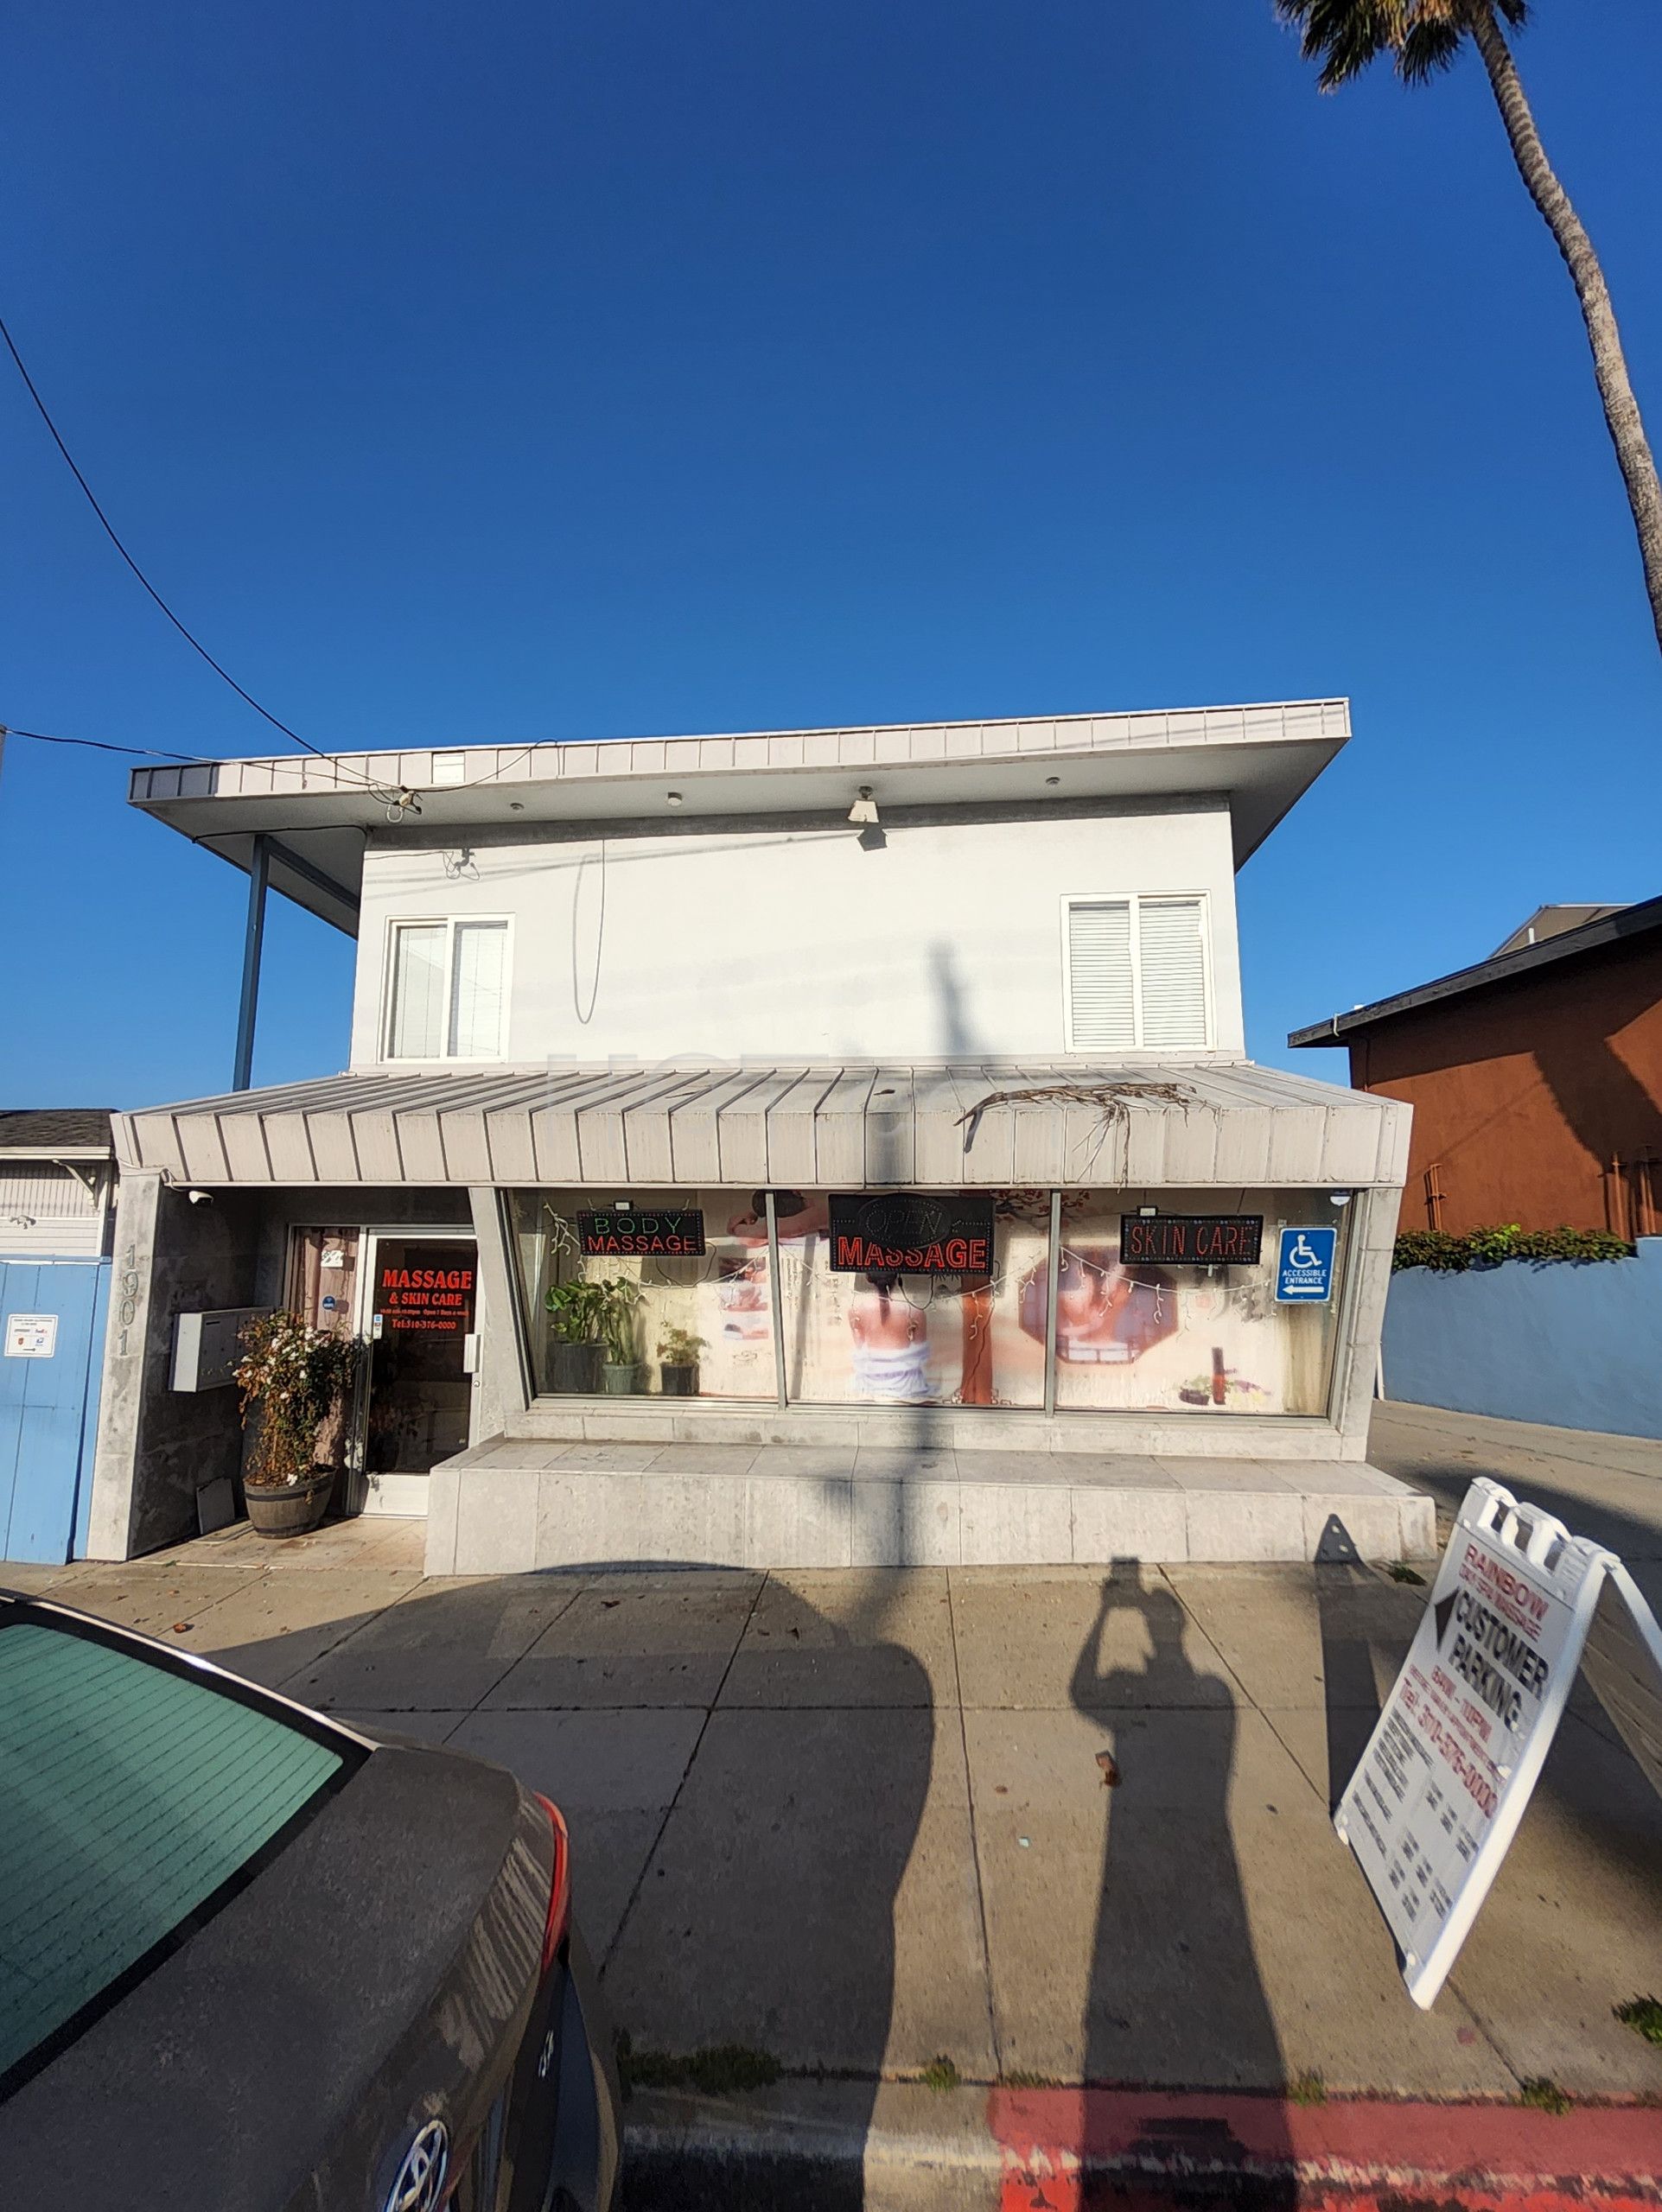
741	1825
1175	1997
764	1919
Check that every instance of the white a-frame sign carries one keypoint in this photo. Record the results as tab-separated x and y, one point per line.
1518	1603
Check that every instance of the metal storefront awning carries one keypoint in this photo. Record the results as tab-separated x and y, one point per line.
963	1124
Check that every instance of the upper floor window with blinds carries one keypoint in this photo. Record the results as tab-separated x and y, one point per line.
447	991
1135	973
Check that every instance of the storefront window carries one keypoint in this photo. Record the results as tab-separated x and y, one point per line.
679	1303
1182	1336
876	1337
935	1298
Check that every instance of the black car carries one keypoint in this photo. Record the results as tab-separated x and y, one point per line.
252	1961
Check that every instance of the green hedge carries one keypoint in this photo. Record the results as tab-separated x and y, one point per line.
1486	1248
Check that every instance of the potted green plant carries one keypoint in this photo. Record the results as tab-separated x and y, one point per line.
677	1371
619	1373
297	1380
575	1312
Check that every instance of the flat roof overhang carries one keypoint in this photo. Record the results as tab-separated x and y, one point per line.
1136	1125
318	813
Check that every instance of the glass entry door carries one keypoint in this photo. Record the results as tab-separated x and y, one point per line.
421	1299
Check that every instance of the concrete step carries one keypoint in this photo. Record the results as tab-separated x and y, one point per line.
514	1504
962	1428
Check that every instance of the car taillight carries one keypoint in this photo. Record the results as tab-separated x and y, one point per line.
559	1895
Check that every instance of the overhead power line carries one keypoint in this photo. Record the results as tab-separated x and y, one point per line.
398	803
193	642
395	800
102	745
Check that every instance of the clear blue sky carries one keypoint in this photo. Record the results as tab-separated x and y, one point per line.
641	365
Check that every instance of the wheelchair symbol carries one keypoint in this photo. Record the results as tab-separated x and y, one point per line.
1301	1255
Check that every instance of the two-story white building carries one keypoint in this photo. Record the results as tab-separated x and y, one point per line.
788	1149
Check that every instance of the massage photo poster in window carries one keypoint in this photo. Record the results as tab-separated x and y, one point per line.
910	1298
1174	1311
1196	1331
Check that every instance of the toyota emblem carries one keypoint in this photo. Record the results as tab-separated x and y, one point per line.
420	2184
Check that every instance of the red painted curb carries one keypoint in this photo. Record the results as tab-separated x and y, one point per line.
1065	2149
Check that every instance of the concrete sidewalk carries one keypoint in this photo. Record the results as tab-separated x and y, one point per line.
856	1823
1605	1487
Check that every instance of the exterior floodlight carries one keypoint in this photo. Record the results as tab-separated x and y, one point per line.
864	808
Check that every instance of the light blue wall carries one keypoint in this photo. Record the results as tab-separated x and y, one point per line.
1576	1345
48	1409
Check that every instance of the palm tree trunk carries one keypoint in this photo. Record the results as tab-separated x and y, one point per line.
1610	363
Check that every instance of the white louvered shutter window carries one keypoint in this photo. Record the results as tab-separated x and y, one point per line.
416	1029
1172	957
1101	1004
476	992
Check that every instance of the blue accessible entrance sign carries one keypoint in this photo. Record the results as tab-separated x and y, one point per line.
1304	1266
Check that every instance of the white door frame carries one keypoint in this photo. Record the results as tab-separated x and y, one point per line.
398	1494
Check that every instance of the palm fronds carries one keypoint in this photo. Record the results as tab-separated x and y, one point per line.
1421	36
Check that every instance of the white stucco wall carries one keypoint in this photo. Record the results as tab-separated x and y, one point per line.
796	944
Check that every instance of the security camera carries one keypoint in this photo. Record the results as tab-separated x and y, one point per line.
199	1198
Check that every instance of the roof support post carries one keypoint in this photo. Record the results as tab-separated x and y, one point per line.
253	938
1053	1290
775	1298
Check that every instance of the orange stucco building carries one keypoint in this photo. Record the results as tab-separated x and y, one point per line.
1535	1078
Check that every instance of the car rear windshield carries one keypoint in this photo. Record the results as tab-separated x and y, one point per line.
130	1794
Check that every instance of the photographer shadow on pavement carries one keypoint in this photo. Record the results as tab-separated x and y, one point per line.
1174	1998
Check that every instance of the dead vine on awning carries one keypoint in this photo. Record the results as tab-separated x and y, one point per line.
1112	1100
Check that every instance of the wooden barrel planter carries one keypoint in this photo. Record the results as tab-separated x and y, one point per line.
292	1508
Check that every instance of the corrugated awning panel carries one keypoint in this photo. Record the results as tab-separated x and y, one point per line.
986	1125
